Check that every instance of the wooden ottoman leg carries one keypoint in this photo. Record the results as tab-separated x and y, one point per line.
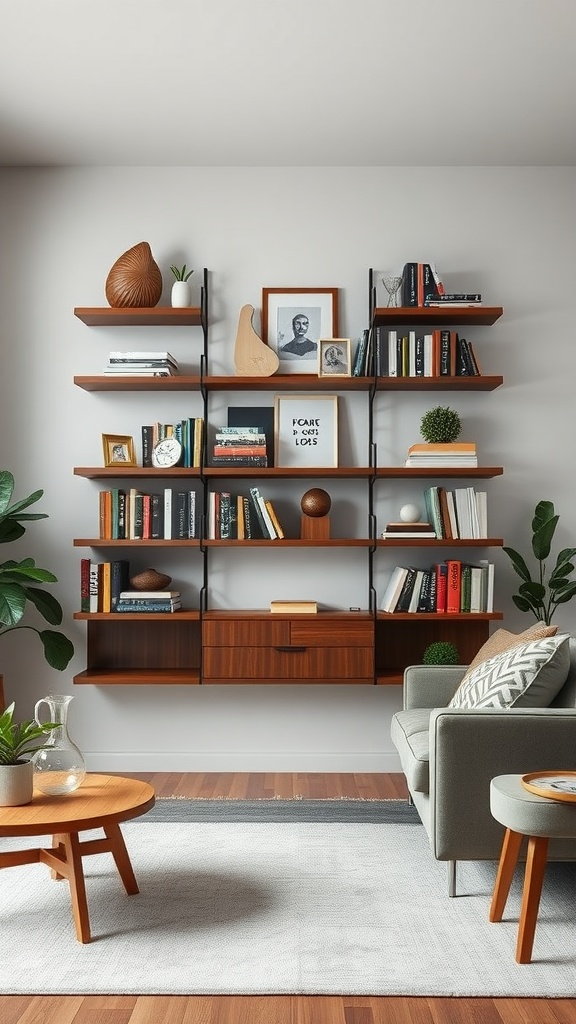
533	879
507	864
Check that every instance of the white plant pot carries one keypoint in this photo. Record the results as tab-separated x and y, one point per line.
181	294
16	784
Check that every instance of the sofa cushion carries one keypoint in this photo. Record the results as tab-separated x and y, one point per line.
528	676
410	735
502	640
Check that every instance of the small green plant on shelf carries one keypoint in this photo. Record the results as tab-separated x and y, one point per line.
19	740
440	425
18	580
441	652
542	595
180	272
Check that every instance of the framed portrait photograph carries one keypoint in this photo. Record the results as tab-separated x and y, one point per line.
118	450
306	430
294	320
334	358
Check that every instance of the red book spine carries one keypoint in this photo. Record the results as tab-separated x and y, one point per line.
441	575
453	585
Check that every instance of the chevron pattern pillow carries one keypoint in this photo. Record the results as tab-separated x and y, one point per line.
528	676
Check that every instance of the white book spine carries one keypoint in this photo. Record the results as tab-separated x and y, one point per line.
167	513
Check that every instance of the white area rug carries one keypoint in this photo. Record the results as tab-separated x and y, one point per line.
280	908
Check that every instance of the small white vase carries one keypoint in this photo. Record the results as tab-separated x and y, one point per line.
181	294
16	784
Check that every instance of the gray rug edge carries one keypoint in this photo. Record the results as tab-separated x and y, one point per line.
180	809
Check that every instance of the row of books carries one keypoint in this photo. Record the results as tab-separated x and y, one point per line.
141	364
189	432
422	286
242	517
414	353
135	515
460	514
104	587
239	447
427	455
449	587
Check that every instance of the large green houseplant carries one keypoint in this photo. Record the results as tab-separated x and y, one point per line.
542	595
19	580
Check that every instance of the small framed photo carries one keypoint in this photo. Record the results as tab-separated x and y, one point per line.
293	322
334	357
306	430
118	450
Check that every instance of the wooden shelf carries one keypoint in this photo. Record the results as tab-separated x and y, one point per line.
191	615
292	542
180	382
434	542
288	382
139	677
134	472
481	383
130	316
295	472
466	316
479	472
98	542
444	617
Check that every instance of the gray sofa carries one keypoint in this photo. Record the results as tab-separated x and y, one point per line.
450	755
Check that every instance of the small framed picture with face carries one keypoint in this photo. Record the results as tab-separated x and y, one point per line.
118	450
334	357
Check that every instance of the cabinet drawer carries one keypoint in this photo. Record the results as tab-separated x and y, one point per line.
264	632
296	664
332	633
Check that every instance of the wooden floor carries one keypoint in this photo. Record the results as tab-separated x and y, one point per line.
279	1009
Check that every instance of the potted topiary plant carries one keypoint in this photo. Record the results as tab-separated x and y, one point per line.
19	580
181	295
440	425
18	742
542	595
441	652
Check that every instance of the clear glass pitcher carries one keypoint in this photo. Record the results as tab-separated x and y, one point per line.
60	767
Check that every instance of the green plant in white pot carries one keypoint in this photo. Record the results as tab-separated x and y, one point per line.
19	741
21	582
181	295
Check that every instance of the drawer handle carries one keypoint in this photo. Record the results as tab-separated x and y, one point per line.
289	650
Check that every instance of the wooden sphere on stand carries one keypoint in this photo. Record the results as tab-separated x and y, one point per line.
316	502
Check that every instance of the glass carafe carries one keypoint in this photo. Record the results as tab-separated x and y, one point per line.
60	767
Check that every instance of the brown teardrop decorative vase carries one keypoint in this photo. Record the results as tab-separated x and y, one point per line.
135	279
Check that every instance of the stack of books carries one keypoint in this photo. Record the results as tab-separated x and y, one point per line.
458	453
461	514
141	364
149	601
239	447
398	531
455	299
242	517
294	607
414	353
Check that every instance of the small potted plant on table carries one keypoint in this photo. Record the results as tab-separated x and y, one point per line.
18	743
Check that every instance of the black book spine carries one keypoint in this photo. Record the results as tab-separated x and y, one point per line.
419	361
403	601
157	516
410	285
180	515
430	287
147	445
445	353
119	580
462	369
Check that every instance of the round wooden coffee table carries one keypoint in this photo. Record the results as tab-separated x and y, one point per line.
102	801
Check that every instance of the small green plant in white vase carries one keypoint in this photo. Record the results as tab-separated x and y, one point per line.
181	295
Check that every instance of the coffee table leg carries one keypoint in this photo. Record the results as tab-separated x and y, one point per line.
120	854
533	879
508	858
75	876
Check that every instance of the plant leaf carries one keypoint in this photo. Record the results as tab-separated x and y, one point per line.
58	649
542	538
12	603
518	564
6	489
48	606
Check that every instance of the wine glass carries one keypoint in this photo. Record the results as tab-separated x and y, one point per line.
392	284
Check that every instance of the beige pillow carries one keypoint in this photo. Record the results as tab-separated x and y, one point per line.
528	675
502	640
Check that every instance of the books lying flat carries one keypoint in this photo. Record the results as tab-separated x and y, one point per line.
147	595
400	534
298	607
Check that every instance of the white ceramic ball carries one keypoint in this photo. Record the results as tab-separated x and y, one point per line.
409	513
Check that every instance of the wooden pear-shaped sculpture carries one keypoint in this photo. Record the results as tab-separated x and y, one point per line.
252	358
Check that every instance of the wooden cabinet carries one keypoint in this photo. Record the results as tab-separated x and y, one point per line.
259	647
206	645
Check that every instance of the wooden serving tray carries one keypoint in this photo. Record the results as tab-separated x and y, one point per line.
556	785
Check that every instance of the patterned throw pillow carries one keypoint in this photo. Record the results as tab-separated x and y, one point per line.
502	640
528	676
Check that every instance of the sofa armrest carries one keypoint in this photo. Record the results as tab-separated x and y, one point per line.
431	686
468	748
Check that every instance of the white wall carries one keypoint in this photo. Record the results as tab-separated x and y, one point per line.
509	232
